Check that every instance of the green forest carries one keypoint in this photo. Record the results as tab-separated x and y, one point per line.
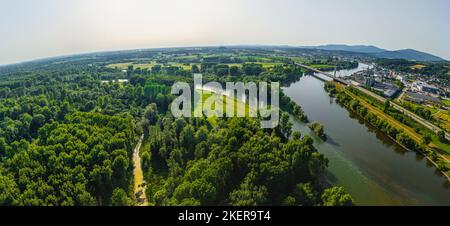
68	128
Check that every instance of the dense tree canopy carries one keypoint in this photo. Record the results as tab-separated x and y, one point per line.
68	128
230	162
75	162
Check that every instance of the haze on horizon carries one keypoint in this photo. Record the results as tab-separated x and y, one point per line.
36	29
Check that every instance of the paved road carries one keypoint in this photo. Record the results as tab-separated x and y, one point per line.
416	118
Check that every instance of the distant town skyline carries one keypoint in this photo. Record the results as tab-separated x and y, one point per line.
39	29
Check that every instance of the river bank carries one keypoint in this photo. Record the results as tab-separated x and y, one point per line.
368	164
377	113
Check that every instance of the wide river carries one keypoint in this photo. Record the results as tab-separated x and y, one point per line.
369	165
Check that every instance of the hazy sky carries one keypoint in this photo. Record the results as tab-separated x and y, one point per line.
32	29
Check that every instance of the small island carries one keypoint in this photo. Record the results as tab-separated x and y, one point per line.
318	130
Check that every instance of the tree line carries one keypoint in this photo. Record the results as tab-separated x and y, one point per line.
396	134
194	161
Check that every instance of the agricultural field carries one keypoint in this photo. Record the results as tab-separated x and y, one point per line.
322	66
444	119
255	59
187	57
432	109
263	64
418	66
299	60
185	66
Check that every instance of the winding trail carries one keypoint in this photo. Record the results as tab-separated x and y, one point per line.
138	176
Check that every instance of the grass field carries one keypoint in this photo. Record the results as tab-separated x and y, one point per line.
322	66
300	60
418	66
227	102
270	64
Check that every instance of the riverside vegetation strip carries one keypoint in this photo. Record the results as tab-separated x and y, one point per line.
401	133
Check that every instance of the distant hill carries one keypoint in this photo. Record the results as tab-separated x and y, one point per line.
407	54
355	48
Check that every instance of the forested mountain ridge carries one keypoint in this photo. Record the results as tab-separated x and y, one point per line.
373	51
350	48
409	54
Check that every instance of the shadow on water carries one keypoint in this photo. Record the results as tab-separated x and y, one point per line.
331	141
331	178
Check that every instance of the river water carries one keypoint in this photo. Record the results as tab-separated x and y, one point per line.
369	165
361	67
